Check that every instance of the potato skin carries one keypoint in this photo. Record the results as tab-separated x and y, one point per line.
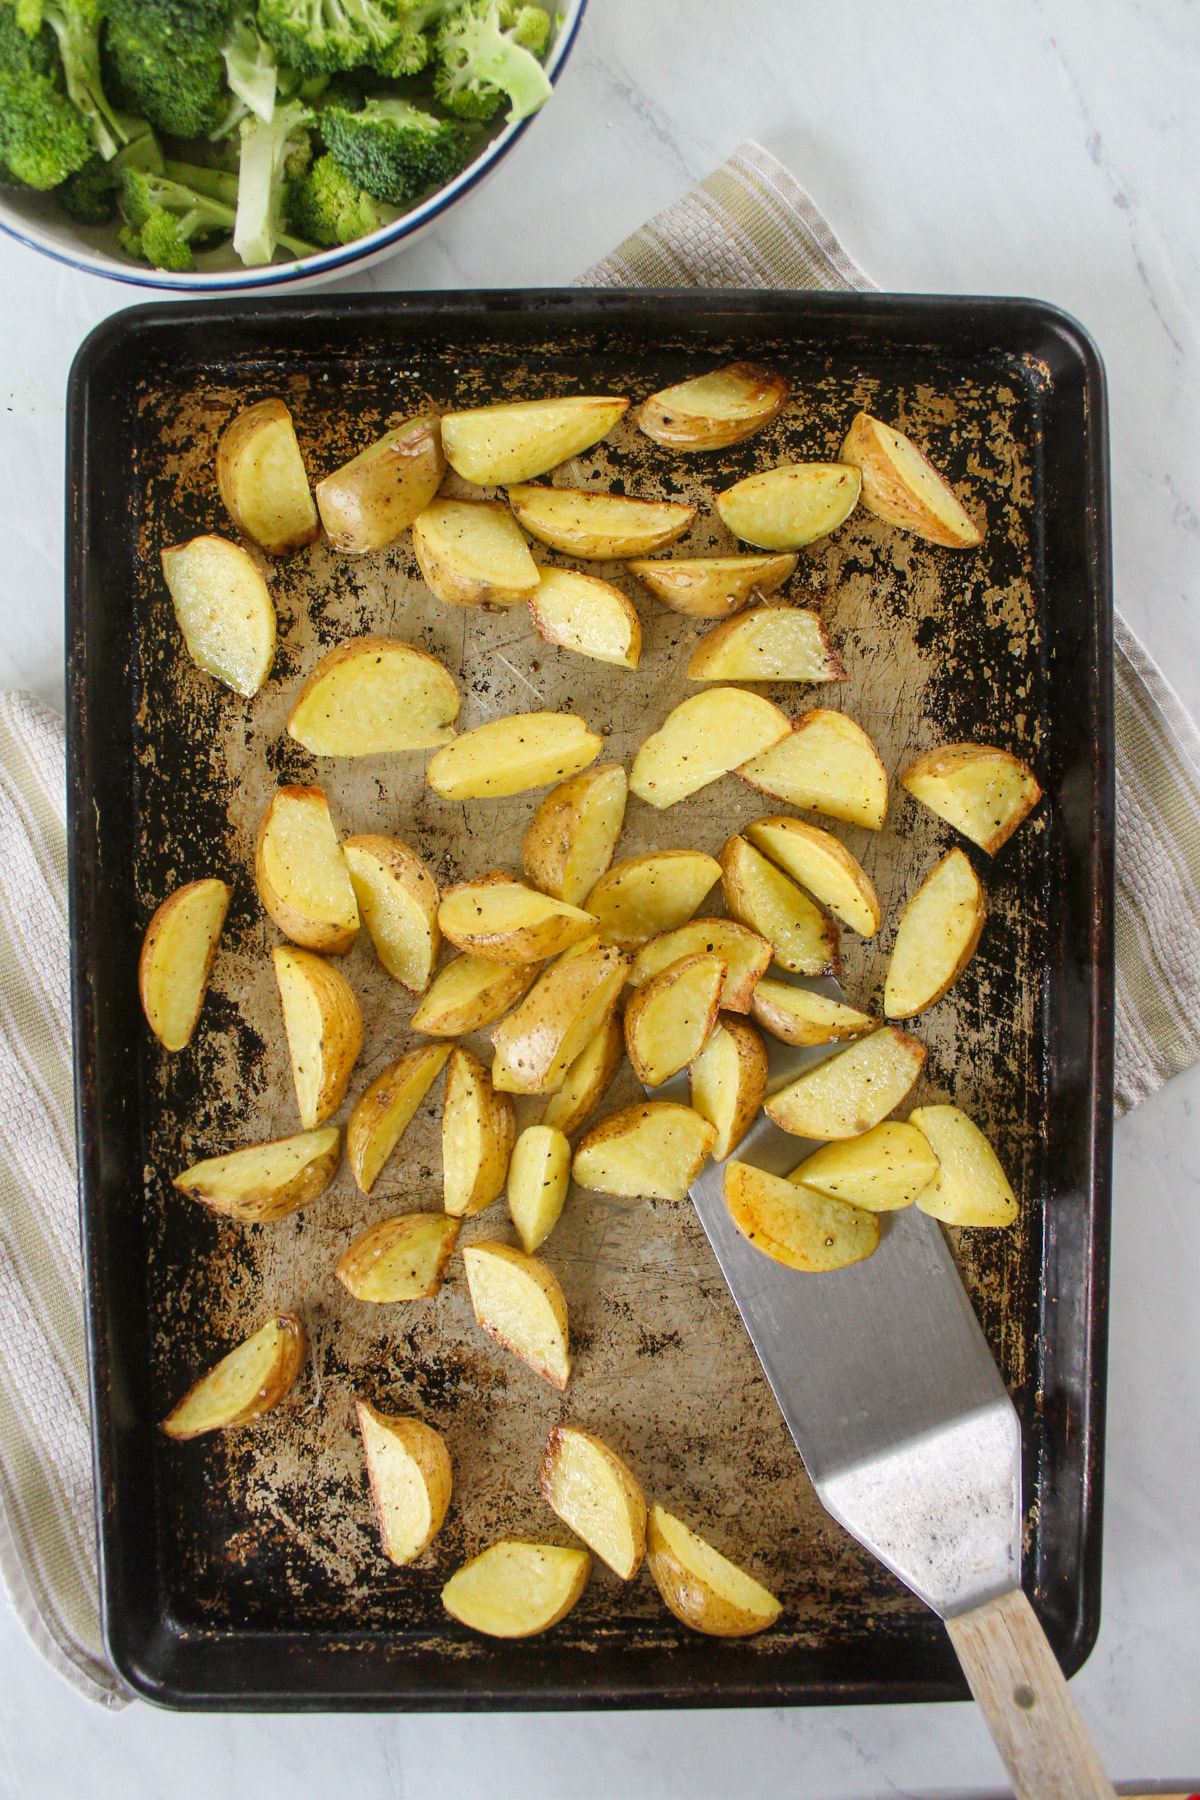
552	832
236	479
675	416
692	1599
377	495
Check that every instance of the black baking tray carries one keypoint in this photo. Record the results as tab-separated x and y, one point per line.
260	1657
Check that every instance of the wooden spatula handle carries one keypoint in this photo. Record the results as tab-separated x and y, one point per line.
1022	1694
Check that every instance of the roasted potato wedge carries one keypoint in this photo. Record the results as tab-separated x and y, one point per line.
245	1384
668	1020
516	1590
374	695
823	865
519	1302
795	1225
178	952
472	554
582	613
519	439
478	1129
701	739
653	1149
587	1080
745	954
399	1259
798	1016
324	1030
804	939
573	833
645	896
901	486
970	1187
598	527
769	643
512	755
598	1495
700	1586
262	479
411	1480
713	410
983	792
538	1178
567	1005
729	1082
398	903
301	874
883	1170
852	1091
793	505
505	921
224	610
376	495
265	1181
384	1112
711	587
828	763
471	992
936	938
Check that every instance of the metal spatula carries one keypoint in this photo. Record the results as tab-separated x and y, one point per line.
910	1440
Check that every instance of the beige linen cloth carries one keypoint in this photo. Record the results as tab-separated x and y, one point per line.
748	225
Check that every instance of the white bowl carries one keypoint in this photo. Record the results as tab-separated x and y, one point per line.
38	221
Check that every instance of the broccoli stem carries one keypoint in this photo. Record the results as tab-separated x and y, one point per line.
217	184
79	46
261	172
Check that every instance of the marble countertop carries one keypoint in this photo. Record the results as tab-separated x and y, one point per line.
1036	147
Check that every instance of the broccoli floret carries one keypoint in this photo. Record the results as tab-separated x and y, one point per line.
479	63
179	87
411	50
23	54
329	208
271	156
76	25
163	219
393	149
43	140
322	37
90	195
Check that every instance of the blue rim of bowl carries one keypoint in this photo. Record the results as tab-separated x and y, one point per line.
342	256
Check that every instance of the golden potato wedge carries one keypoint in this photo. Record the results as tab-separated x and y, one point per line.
653	1149
804	939
668	1020
936	938
701	739
374	695
178	952
517	440
573	833
970	1187
384	1112
505	921
472	554
711	587
594	1492
301	874
745	954
729	1082
769	643
587	1080
828	763
516	1590
561	1014
519	1302
376	495
883	1170
471	992
324	1030
582	613
538	1178
795	1225
399	1259
224	610
512	755
265	1181
700	1586
823	865
709	411
645	896
983	792
848	1093
244	1385
478	1129
398	903
901	486
262	479
793	505
798	1016
411	1480
598	527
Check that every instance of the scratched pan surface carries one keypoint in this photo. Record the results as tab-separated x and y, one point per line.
244	1569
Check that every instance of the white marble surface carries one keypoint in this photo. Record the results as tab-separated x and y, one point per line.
1041	147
